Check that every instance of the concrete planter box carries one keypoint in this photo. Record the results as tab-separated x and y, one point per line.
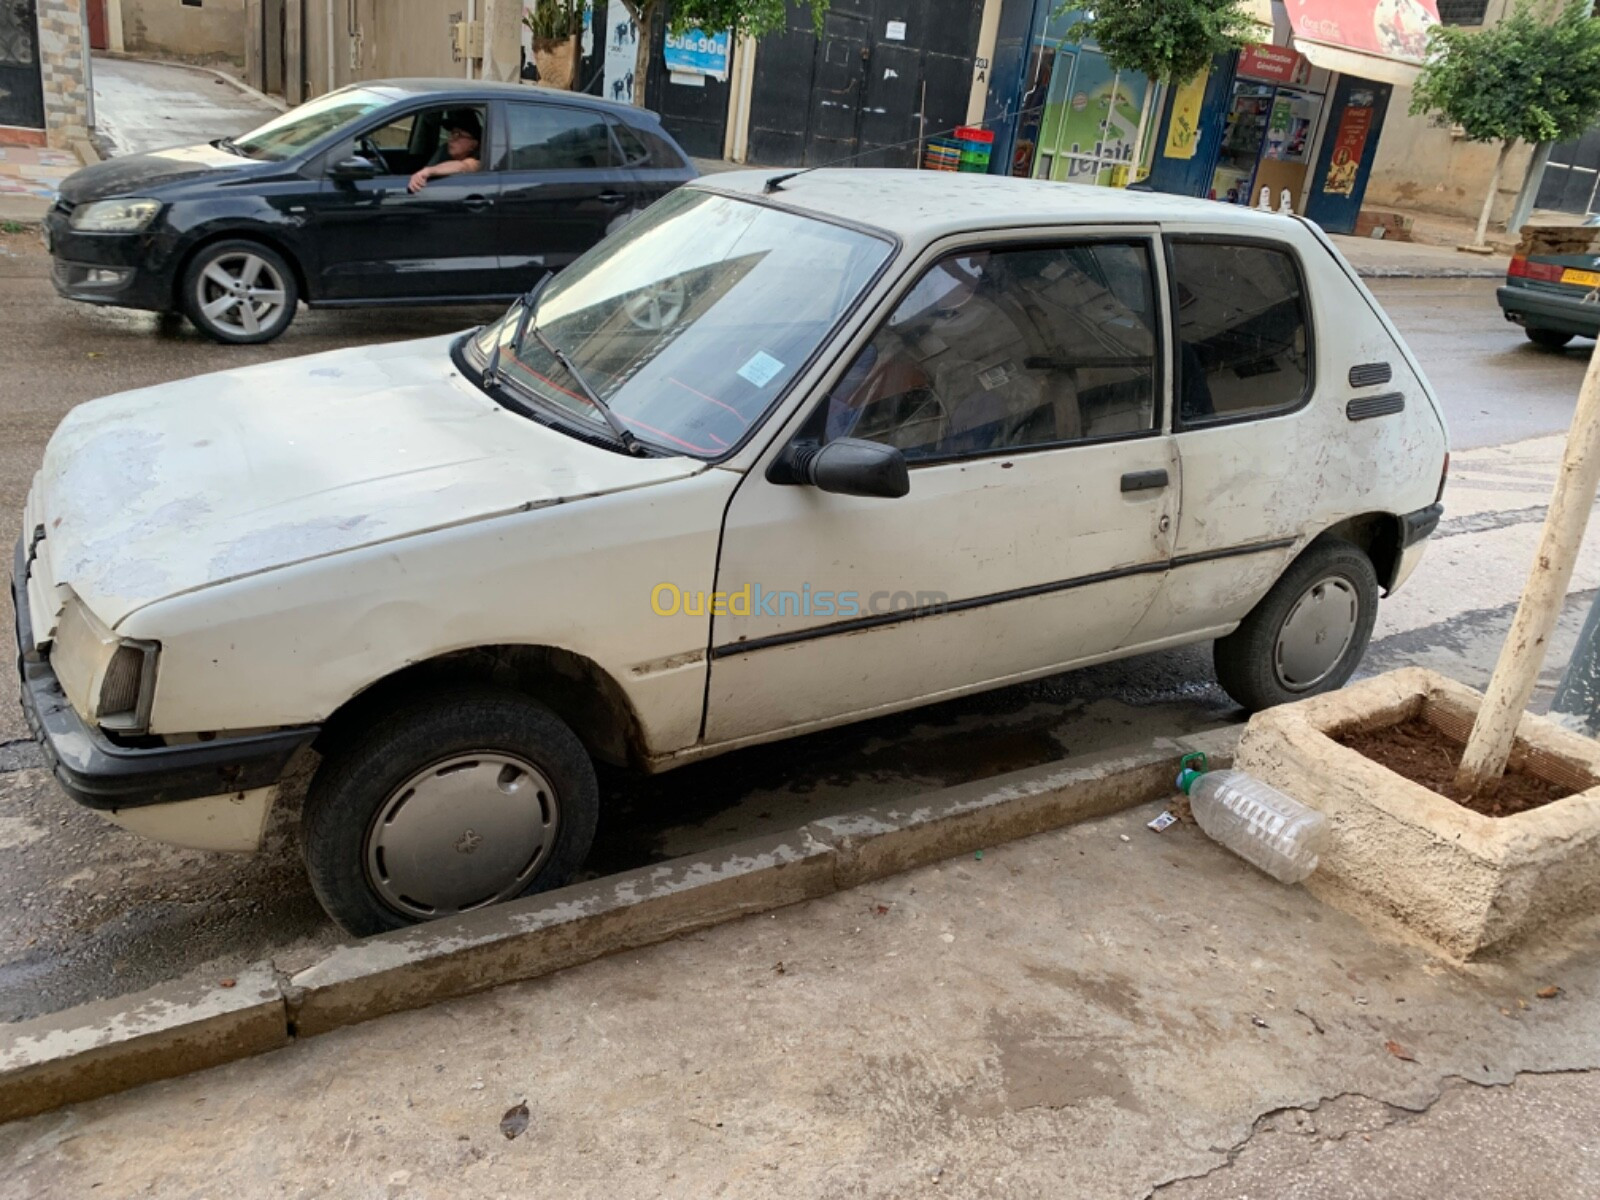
1465	882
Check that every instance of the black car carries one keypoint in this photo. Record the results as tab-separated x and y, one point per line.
317	204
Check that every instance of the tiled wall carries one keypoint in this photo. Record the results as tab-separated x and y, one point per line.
63	52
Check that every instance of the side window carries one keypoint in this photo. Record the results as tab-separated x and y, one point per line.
550	137
1007	349
634	153
396	135
1243	333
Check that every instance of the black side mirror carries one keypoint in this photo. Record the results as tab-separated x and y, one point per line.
354	167
847	466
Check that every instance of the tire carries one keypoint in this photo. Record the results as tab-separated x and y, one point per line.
1550	339
1281	651
239	291
396	818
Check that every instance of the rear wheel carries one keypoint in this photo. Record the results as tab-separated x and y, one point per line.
239	291
466	800
1307	634
1550	339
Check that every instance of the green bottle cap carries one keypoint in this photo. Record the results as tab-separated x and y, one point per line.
1187	773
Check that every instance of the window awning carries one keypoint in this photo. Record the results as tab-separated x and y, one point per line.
1384	40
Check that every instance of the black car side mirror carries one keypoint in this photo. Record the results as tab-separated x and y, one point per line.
354	167
847	466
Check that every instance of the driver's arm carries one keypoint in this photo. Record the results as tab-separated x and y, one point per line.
454	166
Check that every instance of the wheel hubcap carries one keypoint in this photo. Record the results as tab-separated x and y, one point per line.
241	293
657	307
468	831
1318	631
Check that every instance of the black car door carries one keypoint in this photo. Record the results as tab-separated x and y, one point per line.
563	187
378	241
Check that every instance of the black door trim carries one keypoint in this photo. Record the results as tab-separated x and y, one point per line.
877	620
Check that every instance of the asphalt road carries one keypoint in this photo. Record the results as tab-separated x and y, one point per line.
87	910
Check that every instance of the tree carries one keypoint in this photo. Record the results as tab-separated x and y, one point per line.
746	18
1166	41
1525	79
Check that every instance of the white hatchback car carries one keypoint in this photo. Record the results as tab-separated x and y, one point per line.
781	454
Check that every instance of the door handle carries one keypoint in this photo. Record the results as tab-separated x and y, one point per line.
1140	481
476	203
609	197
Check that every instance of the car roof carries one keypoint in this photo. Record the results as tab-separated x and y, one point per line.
475	89
923	205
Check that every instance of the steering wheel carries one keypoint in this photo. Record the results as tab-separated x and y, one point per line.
657	306
368	148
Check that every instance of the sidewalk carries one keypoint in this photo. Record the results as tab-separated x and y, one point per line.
29	176
1091	1012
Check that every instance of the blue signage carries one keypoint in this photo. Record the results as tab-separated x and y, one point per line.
696	53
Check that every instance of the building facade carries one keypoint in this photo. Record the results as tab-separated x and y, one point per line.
45	96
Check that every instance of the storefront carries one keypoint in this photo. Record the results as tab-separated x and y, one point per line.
1059	109
1301	116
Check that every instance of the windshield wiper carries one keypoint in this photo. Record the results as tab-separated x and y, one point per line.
491	369
630	443
227	143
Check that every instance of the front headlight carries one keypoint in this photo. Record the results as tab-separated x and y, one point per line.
114	216
109	680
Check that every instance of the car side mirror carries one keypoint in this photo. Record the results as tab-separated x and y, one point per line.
847	467
354	167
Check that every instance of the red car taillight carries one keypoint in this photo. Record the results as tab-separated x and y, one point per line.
1521	268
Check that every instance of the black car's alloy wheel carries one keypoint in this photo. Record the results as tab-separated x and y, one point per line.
240	291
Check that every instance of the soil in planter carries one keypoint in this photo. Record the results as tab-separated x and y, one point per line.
1426	755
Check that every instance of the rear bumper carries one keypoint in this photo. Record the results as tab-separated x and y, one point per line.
101	774
1546	310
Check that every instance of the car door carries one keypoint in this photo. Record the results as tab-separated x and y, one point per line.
1023	384
563	187
379	241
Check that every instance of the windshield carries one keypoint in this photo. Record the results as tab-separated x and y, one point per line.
300	127
692	320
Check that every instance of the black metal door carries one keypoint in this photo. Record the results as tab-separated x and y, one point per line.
883	74
21	90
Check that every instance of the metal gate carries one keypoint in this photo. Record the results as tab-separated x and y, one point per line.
21	89
882	75
1570	179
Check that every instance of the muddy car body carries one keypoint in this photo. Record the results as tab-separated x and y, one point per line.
876	439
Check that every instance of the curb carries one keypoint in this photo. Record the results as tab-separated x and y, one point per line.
178	1028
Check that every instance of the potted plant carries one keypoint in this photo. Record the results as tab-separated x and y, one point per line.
555	26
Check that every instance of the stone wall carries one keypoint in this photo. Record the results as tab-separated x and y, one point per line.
211	33
64	70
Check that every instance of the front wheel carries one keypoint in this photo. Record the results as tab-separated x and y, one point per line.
446	806
239	291
1307	634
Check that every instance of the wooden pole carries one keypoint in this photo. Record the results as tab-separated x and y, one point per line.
1517	670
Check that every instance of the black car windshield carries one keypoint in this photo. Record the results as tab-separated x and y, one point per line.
287	135
692	320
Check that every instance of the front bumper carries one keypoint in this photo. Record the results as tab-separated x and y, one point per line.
1550	310
101	774
126	269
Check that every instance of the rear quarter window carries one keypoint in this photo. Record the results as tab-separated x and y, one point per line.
1244	330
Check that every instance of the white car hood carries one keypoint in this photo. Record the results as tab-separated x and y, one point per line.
151	493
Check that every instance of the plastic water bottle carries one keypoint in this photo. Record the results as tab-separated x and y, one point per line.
1256	821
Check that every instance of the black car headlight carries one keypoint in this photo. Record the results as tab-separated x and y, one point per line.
110	680
114	216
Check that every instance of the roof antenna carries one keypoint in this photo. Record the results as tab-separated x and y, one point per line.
775	184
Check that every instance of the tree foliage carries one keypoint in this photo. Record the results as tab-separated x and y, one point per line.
750	18
1167	40
1525	79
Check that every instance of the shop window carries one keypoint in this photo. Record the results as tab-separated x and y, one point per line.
1463	12
1005	350
1243	331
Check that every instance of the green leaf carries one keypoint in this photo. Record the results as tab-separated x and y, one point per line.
1165	40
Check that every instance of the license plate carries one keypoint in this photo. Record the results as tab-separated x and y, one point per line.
1581	278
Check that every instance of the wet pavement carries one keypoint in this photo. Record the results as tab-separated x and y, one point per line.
142	106
87	910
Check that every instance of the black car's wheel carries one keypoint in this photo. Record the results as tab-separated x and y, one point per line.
1550	339
1307	634
468	799
239	291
